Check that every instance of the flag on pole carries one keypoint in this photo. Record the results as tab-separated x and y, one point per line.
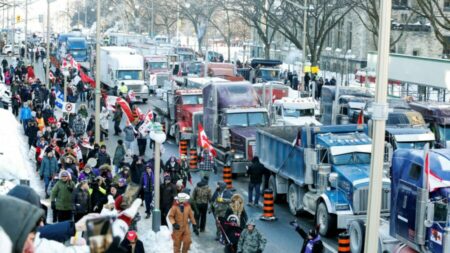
203	140
126	109
87	79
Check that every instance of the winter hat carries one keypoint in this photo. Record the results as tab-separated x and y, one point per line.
64	173
19	219
251	222
167	178
221	185
131	235
122	181
120	142
179	184
25	193
182	197
48	150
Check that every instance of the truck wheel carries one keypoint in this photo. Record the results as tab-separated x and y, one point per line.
293	198
357	231
326	220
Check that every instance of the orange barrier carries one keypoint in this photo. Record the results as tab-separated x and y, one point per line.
344	243
183	147
268	208
227	176
193	159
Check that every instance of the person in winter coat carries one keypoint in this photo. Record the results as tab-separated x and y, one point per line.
103	157
251	240
179	216
124	173
79	126
121	186
132	244
61	197
81	200
87	175
83	112
173	169
32	131
105	171
206	163
16	103
49	167
167	193
117	118
119	154
147	182
200	199
185	172
256	172
312	242
19	220
219	205
104	123
130	136
25	115
236	208
136	169
99	194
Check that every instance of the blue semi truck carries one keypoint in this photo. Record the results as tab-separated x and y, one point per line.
323	170
420	215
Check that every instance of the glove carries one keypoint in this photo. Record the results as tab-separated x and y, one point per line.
195	230
176	226
53	205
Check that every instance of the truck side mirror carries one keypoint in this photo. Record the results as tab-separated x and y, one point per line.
430	215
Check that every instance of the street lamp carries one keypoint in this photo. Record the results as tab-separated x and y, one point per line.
157	135
47	71
97	77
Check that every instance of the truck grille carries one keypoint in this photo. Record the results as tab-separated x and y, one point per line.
161	78
135	88
361	200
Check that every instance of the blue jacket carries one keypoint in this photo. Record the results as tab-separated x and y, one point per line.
25	113
48	167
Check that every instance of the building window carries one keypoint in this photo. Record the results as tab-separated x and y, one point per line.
446	5
340	33
349	35
400	4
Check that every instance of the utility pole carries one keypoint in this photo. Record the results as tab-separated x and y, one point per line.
26	30
47	64
305	19
97	77
379	116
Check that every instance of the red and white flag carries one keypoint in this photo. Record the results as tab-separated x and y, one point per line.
434	182
73	63
360	118
203	140
51	76
126	109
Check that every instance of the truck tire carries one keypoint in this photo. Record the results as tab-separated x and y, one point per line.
326	220
292	199
357	232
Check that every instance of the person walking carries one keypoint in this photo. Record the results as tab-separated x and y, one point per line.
49	167
168	193
200	198
132	244
312	243
147	182
256	172
206	163
25	115
79	126
173	169
130	136
61	197
119	155
81	200
117	118
103	157
219	206
104	123
251	240
179	216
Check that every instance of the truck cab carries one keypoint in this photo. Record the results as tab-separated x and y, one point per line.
437	115
294	112
262	70
156	71
78	48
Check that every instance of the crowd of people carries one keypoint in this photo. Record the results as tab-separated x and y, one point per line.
81	177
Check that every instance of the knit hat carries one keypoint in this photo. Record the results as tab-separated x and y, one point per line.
131	235
182	197
25	193
63	173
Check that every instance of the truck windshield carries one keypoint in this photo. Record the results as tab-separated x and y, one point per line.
247	119
269	74
157	65
413	145
351	158
444	132
129	75
78	53
192	99
298	112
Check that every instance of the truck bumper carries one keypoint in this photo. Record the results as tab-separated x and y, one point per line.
186	136
140	96
239	167
344	218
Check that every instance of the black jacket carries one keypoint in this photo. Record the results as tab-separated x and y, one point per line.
138	249
256	172
81	201
318	246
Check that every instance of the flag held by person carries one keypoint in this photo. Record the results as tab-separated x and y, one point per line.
203	140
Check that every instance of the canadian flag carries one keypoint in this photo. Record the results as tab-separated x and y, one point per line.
203	140
73	63
434	182
126	109
64	64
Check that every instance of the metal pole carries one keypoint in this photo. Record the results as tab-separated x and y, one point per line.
379	117
178	20
156	214
66	78
47	64
97	78
153	21
26	30
305	19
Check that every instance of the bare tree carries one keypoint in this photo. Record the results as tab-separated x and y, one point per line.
198	13
165	16
256	14
322	17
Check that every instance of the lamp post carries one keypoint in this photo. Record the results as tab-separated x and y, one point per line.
26	30
47	63
159	137
97	77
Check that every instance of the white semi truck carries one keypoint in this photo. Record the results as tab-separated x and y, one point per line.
123	65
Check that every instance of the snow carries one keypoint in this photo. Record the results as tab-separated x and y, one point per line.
163	239
14	162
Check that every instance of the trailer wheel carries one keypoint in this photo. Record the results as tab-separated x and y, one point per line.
293	198
357	232
326	220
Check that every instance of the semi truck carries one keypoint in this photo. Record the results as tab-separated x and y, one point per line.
122	65
294	112
232	113
78	48
156	71
420	214
323	170
261	70
180	111
437	115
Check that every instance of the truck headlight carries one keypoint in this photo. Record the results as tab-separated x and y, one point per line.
333	178
238	156
186	129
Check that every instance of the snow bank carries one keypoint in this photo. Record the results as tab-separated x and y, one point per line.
14	162
162	242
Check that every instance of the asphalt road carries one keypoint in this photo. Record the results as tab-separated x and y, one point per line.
280	235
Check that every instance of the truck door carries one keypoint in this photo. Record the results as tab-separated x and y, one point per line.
406	202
